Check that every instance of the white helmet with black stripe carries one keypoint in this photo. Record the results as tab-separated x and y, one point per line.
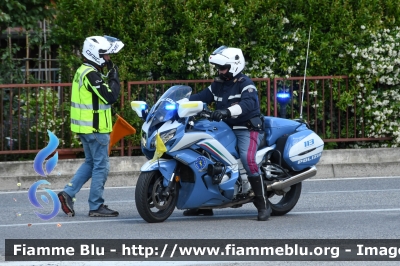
95	47
228	58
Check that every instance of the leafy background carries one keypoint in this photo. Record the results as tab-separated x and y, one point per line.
167	40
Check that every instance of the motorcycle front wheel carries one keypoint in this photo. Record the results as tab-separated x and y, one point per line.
282	204
152	206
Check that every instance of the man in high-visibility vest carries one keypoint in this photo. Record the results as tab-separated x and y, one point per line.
91	99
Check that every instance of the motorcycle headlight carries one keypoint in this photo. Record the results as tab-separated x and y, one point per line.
165	136
144	139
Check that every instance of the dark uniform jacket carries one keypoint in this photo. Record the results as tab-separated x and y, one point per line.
240	90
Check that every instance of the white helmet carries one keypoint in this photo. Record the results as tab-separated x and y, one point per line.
95	47
230	57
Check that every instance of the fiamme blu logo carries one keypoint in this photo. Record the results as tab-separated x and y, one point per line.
43	168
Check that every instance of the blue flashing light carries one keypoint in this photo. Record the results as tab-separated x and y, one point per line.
143	107
170	107
283	97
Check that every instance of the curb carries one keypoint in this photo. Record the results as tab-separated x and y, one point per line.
124	171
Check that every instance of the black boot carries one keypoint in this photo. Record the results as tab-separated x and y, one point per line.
260	201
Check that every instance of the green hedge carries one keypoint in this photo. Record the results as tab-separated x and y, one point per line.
161	37
166	40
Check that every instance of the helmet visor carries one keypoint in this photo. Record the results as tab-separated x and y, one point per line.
115	45
223	67
219	50
111	39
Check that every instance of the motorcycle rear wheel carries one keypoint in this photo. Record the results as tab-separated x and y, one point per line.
283	204
151	205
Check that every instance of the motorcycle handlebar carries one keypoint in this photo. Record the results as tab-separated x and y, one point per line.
206	114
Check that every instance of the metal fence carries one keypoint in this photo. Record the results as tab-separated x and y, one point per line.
29	110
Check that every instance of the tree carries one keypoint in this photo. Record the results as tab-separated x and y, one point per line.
24	13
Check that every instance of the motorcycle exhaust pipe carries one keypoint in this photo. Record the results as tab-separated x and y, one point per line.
280	185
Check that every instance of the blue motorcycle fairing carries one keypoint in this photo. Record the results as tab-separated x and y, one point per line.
193	195
220	131
229	186
202	192
188	156
218	151
198	194
165	166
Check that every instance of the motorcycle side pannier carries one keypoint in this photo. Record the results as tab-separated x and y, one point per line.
299	146
300	150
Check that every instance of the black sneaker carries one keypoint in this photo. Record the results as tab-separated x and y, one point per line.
67	205
103	211
197	212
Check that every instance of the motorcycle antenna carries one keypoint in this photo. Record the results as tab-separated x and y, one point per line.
305	73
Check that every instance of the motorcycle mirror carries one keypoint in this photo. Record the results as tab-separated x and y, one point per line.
190	108
140	107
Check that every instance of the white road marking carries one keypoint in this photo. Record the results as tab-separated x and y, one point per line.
346	211
193	218
56	190
351	178
307	180
350	191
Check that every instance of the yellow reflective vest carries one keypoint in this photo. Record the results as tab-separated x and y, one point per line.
88	116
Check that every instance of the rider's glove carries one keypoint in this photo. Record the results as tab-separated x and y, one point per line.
112	70
109	65
218	115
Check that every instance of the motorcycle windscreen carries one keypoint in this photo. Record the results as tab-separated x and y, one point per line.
166	107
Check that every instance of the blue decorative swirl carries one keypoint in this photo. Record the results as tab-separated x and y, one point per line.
44	153
33	200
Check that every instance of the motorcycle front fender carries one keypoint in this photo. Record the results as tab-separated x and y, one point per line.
166	168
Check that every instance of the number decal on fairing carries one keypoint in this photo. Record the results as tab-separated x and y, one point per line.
309	143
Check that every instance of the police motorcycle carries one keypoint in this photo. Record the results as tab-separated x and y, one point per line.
193	162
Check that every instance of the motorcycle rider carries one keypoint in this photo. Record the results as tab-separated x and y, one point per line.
237	104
